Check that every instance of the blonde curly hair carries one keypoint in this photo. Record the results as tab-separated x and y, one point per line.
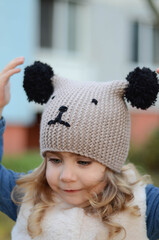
115	197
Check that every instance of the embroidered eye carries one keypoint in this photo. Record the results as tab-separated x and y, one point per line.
94	101
53	97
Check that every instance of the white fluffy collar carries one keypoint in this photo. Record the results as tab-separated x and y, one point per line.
61	223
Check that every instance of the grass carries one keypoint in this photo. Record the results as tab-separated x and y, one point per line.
24	163
5	227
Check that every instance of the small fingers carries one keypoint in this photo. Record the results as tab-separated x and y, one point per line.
14	63
157	70
4	78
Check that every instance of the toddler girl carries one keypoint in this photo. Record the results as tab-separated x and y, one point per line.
82	190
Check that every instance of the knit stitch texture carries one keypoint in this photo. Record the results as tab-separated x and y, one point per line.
99	129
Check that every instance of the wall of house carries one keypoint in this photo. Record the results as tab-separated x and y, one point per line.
18	27
91	40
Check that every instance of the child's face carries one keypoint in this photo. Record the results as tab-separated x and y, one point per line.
72	177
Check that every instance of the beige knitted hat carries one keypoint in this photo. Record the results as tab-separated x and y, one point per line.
88	118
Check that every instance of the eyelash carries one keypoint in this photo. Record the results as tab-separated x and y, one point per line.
54	160
84	163
58	161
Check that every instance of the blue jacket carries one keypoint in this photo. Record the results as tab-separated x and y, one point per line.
8	181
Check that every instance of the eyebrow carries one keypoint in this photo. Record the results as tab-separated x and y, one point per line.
54	153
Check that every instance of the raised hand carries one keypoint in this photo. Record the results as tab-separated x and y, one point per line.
5	75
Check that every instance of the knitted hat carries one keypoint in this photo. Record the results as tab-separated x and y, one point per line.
88	118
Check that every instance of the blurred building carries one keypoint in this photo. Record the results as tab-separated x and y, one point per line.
84	40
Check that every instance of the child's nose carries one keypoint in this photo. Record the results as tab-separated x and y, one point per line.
68	174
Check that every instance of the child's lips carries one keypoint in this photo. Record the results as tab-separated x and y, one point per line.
71	190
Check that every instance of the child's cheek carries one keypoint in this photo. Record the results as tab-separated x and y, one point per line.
51	176
95	177
98	188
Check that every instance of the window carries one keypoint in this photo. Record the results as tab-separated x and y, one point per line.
156	44
135	32
145	43
46	12
60	24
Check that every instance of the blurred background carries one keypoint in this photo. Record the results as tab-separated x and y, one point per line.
88	40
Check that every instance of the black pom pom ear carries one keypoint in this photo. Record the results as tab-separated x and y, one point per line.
37	82
143	88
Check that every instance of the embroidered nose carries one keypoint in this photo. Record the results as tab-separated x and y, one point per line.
58	119
63	109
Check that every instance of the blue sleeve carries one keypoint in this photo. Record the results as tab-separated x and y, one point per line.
7	182
2	128
152	212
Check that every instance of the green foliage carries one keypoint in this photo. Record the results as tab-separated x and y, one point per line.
147	156
23	162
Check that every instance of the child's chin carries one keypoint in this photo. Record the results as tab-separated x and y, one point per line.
79	203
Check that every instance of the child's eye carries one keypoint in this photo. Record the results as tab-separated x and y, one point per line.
55	160
84	163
